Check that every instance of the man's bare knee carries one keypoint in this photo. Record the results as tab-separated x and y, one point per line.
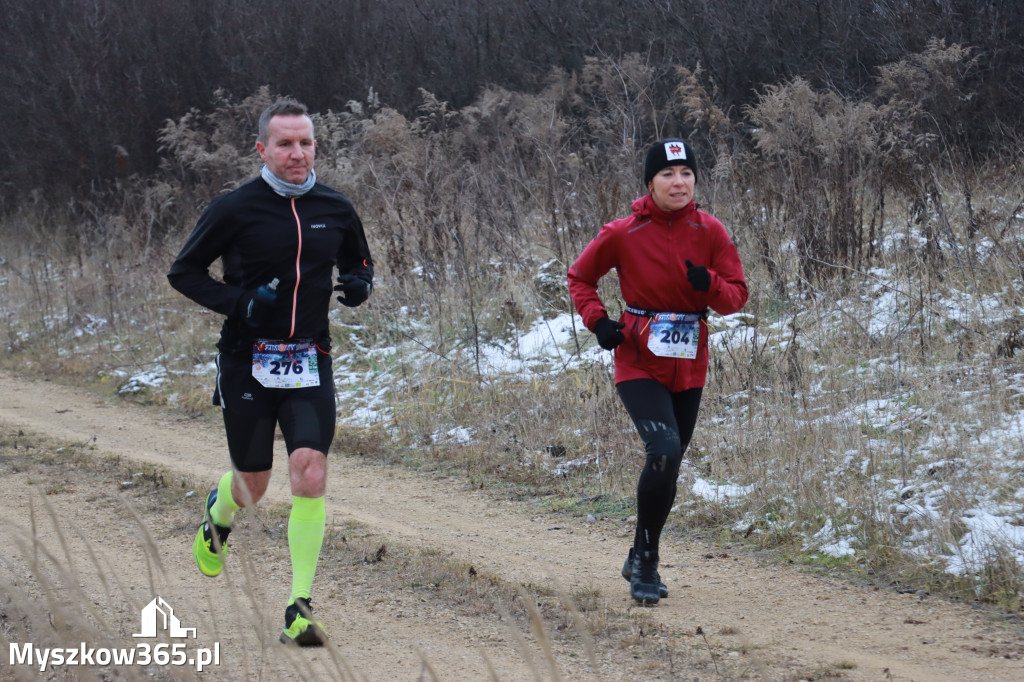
248	487
308	471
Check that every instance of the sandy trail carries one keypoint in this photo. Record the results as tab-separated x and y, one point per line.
775	622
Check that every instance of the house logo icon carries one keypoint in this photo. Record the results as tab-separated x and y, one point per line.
158	615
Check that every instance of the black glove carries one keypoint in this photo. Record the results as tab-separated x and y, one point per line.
254	306
355	290
700	278
608	334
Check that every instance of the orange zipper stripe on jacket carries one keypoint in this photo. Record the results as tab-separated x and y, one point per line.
298	269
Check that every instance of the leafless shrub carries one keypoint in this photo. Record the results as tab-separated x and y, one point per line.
921	124
813	152
823	165
211	152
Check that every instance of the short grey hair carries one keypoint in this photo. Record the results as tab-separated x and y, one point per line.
282	107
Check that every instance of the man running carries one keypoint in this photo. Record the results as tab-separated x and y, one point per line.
279	237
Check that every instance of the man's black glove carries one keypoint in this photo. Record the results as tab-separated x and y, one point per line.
608	334
255	306
355	290
698	275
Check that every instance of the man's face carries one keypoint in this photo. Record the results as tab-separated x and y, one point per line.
290	148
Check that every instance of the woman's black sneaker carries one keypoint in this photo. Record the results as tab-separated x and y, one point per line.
627	572
644	582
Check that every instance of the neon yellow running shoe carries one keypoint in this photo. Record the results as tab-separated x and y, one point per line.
299	626
207	543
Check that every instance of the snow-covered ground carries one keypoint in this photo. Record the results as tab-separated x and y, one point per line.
991	520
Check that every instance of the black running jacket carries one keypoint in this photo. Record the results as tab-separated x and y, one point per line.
260	235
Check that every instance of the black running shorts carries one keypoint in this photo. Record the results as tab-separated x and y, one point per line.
307	416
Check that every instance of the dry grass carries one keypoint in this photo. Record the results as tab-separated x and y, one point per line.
880	341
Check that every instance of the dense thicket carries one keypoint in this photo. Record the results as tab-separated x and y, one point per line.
85	85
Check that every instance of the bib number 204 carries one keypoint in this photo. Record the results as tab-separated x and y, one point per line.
674	336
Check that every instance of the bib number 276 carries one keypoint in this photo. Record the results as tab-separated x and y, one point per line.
283	364
285	367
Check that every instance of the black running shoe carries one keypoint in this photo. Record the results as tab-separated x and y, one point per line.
627	572
643	582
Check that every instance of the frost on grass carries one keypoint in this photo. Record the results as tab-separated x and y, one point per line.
979	492
536	353
928	447
143	381
723	493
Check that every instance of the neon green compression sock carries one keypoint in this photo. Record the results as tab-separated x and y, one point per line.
306	524
223	510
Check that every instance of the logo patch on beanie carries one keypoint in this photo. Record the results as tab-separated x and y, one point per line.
675	151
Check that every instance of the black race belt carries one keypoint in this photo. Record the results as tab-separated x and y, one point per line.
688	316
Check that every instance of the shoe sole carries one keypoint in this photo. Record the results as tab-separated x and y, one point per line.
199	545
642	601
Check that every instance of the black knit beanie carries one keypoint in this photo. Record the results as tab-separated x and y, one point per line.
664	153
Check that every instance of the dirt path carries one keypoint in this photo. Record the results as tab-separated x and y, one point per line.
758	621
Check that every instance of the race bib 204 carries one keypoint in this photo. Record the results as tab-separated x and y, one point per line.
674	335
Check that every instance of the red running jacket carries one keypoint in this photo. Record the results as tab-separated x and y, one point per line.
649	250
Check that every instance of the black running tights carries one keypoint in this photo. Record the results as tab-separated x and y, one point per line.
665	422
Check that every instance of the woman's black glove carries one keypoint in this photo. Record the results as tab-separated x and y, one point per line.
608	334
698	275
355	290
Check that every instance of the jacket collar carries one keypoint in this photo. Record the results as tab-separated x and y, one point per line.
645	206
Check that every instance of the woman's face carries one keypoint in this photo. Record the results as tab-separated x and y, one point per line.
672	187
